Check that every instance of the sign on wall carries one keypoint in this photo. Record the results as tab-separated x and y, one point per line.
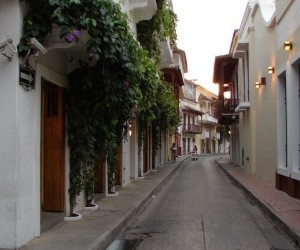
27	77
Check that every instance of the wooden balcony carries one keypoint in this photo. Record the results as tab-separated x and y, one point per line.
191	128
229	106
224	111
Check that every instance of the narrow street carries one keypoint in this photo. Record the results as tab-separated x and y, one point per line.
201	209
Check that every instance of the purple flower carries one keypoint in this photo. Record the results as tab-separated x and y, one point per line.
76	33
70	38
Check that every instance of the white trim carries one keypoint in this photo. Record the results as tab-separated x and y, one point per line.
243	106
295	59
284	171
246	16
281	70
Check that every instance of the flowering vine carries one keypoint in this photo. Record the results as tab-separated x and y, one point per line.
117	76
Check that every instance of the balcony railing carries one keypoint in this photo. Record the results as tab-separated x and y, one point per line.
224	111
230	105
209	119
191	128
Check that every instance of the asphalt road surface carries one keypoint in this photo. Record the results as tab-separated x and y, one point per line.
200	209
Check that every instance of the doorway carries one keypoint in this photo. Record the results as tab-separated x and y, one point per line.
52	152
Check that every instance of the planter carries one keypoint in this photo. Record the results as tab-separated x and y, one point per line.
92	206
112	194
73	217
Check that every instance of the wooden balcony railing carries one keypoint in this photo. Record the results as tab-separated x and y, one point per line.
191	128
230	105
224	111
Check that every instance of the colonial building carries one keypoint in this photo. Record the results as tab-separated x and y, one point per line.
175	76
209	141
34	150
191	117
262	73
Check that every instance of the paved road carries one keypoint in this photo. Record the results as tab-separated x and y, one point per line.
201	209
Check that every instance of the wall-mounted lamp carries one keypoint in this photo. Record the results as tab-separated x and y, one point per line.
262	82
288	45
130	131
271	69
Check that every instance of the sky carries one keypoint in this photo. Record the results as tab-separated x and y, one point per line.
204	30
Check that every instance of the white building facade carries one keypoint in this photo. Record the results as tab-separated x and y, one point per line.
268	90
26	131
191	118
209	141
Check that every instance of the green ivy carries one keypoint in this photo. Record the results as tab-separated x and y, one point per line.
224	133
160	27
37	23
167	116
116	77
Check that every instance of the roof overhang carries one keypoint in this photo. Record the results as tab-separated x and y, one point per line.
142	9
204	98
182	55
166	54
191	110
241	48
173	75
223	68
242	45
243	106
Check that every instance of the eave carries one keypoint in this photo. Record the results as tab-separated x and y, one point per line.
190	110
243	106
173	75
223	68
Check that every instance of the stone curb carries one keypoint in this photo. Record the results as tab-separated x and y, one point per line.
264	207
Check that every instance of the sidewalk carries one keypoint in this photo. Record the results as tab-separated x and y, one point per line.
97	229
282	208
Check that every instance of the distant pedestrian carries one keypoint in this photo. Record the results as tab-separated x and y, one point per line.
194	153
174	152
195	150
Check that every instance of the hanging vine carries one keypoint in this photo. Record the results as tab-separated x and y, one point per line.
160	27
151	33
167	117
116	77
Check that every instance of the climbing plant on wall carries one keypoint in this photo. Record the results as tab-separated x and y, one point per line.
114	78
160	27
151	33
167	116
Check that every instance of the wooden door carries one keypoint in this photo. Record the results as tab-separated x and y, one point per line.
100	177
119	163
53	148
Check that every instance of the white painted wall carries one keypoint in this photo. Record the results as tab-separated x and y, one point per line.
20	136
263	100
263	141
288	65
19	153
20	132
134	150
126	161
